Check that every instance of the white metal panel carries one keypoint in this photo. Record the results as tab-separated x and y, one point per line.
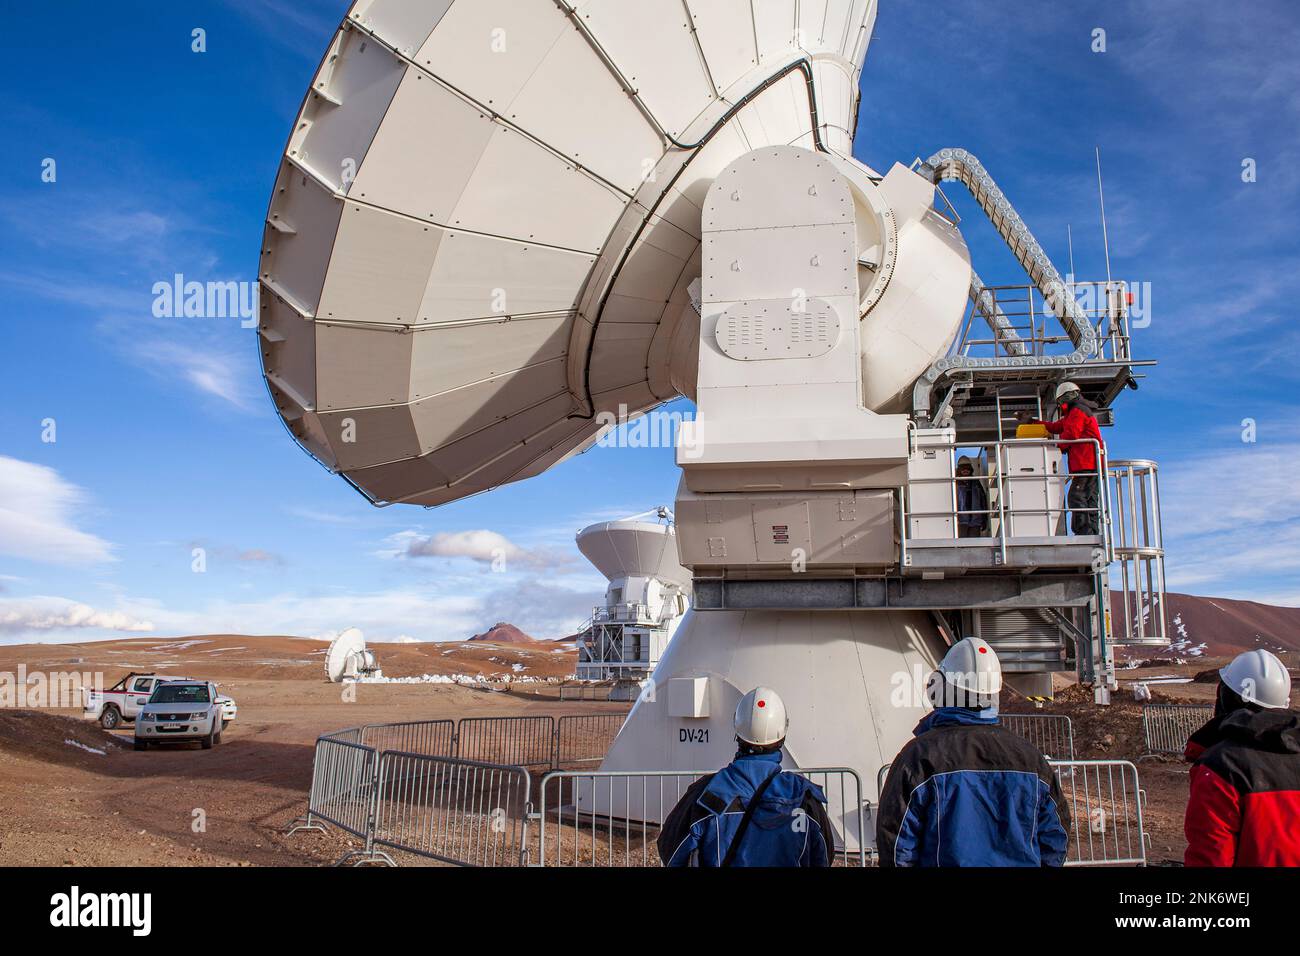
619	354
429	145
289	345
448	357
774	26
362	366
378	434
725	29
861	22
489	48
801	207
403	24
296	250
650	42
570	88
460	412
481	276
493	451
825	23
523	191
379	267
350	97
834	96
780	115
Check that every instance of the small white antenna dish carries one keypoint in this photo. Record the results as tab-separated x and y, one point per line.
348	659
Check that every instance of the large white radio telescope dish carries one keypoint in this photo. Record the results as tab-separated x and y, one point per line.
487	218
347	658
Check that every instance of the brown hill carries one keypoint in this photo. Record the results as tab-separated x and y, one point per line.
504	633
1221	627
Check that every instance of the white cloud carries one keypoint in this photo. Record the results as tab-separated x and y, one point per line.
212	372
43	615
1232	522
36	517
481	545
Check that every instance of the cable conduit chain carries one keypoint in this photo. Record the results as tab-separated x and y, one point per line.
960	165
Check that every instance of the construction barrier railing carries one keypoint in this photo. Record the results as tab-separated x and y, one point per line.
544	743
433	738
458	811
1166	727
586	690
585	738
1105	804
1053	734
611	819
521	741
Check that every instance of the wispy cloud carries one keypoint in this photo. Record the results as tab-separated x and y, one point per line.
1232	521
42	616
38	517
482	546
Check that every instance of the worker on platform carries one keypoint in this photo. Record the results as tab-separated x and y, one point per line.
965	791
1244	807
1078	423
750	813
972	501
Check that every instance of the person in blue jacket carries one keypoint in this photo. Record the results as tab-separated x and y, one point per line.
750	813
965	791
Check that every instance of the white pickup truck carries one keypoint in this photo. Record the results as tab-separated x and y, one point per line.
122	701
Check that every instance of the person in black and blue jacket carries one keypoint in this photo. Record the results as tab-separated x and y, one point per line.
965	791
751	813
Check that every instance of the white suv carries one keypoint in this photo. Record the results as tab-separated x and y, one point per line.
180	711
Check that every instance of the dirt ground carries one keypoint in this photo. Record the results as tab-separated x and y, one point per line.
74	795
64	805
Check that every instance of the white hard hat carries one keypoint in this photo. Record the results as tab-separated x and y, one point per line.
1258	677
972	673
1065	388
761	718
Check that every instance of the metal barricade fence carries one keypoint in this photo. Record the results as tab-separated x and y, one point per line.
1166	727
433	738
1053	734
342	785
612	818
458	811
585	738
1104	801
516	741
585	691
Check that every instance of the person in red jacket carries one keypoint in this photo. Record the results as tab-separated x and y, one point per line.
1078	421
1245	788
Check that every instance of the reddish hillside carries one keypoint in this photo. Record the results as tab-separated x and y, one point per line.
503	633
1221	627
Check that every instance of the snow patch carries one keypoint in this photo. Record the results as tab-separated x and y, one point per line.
80	746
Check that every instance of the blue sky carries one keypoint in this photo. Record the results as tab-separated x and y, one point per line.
166	441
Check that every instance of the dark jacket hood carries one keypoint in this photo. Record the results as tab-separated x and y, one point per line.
1277	731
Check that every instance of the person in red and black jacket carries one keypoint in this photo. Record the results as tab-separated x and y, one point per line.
1245	786
1079	421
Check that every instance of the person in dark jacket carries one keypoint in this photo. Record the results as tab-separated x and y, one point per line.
1078	420
972	500
965	791
1244	804
751	813
1251	677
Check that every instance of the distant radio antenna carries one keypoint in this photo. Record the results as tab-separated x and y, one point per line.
1105	240
1069	238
